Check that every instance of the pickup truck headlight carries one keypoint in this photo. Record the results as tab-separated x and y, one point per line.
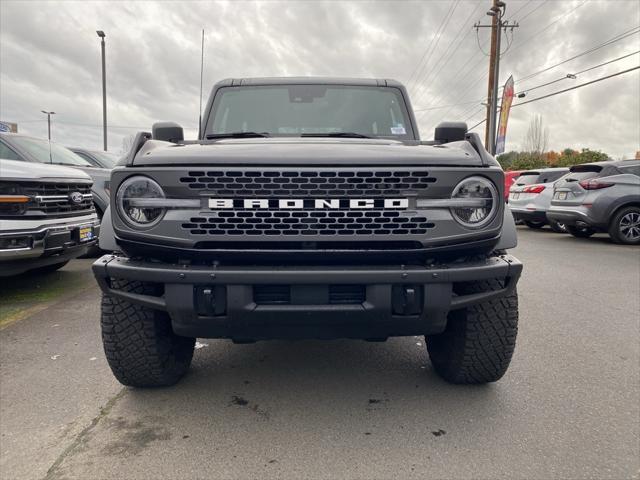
135	199
478	202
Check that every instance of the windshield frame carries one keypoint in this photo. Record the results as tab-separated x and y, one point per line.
20	144
412	133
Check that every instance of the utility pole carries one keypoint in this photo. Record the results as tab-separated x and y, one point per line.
104	91
496	12
48	114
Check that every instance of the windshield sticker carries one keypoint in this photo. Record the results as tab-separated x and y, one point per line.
398	130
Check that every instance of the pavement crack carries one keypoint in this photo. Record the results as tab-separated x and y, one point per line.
104	411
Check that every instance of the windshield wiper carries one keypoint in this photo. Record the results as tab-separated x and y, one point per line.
213	136
336	134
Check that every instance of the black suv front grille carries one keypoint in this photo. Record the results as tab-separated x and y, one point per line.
283	222
291	183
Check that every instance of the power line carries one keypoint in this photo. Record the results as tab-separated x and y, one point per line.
445	55
546	27
573	75
606	43
564	91
577	86
522	7
616	38
479	123
443	25
474	114
532	11
446	106
549	25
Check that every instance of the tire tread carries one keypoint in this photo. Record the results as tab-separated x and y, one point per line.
479	341
139	344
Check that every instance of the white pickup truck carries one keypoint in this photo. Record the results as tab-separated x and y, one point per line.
47	216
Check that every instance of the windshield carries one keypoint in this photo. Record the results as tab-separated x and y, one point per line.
39	150
108	160
294	110
527	178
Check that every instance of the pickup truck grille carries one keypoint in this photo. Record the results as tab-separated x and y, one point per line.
52	199
291	183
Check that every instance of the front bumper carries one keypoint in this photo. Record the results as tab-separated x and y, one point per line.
223	302
49	243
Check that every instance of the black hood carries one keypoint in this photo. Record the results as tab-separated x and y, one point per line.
306	151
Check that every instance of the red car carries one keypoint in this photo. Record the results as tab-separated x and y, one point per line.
509	178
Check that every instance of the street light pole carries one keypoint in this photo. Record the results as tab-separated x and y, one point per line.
104	91
48	114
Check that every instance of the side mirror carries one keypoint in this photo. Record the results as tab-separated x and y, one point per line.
167	132
447	132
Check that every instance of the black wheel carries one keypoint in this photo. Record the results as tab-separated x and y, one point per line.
478	343
625	226
580	232
139	344
535	225
50	268
557	227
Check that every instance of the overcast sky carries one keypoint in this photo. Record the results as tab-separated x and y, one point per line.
50	60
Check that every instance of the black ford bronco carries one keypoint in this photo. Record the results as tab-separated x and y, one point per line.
307	208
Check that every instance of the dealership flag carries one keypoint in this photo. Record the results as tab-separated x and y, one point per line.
507	98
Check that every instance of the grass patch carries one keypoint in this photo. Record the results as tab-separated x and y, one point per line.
23	294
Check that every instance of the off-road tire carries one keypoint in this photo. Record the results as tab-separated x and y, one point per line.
535	225
557	227
580	232
478	342
139	344
614	227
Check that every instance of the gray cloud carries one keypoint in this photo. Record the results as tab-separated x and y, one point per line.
50	59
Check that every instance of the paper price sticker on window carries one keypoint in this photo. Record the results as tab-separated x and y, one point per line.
398	130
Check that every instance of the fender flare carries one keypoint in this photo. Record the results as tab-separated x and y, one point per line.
509	236
107	239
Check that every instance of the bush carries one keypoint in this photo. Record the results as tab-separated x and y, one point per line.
568	157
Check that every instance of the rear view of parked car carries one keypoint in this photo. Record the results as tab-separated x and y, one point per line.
530	197
509	179
600	197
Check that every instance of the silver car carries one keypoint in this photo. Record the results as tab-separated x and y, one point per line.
96	158
530	197
600	197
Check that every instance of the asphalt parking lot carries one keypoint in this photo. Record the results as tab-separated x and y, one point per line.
567	408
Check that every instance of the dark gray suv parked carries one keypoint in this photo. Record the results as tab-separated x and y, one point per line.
600	197
308	208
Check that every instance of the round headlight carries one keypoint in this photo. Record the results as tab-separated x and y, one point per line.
478	202
133	205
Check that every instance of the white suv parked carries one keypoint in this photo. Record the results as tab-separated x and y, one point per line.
530	197
47	216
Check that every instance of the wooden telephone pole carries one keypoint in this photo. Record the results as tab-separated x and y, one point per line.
497	25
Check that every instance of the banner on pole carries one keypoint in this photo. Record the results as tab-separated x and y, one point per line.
507	99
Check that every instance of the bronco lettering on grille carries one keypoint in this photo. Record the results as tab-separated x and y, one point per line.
311	204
